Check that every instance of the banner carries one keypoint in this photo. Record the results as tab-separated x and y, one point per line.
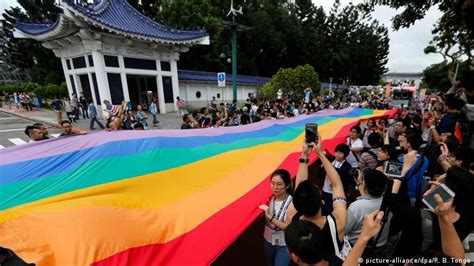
156	197
388	91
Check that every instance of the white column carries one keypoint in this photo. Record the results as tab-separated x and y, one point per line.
66	76
78	83
91	84
101	76
123	77
161	95
174	80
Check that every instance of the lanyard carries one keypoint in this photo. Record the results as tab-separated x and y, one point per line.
281	207
334	163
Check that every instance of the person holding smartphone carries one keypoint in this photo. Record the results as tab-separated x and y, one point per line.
307	202
418	235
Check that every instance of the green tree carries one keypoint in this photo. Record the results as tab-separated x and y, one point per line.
436	79
452	34
294	80
281	34
358	46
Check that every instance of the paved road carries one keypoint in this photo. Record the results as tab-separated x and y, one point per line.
12	130
13	123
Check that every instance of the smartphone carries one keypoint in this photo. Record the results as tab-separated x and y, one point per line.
393	169
443	191
311	132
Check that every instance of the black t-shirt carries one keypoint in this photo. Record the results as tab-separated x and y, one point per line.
329	251
409	220
186	126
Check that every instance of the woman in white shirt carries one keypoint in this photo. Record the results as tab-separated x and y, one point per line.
276	218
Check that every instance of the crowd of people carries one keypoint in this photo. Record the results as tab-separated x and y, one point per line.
352	208
255	110
21	100
353	211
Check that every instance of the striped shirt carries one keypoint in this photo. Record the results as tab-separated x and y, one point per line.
368	160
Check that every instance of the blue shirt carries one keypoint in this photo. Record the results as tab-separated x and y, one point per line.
413	177
92	110
447	123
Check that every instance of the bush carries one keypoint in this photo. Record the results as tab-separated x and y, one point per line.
52	90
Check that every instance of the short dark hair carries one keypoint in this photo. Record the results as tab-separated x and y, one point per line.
28	130
307	198
375	181
305	240
415	140
373	121
462	154
374	139
185	117
138	125
357	128
65	122
454	103
392	151
343	148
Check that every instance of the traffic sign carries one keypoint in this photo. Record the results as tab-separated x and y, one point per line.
221	79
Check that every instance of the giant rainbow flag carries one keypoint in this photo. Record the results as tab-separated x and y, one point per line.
158	197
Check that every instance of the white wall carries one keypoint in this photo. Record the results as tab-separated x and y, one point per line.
188	90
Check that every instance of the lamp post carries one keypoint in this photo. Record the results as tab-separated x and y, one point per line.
234	12
234	62
330	86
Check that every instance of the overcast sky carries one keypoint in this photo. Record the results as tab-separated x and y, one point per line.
406	45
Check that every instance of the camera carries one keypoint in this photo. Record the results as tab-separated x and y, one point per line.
311	132
393	169
443	191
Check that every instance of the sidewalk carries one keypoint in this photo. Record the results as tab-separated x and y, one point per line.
167	121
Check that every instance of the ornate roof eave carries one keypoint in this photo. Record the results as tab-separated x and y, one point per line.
202	41
63	27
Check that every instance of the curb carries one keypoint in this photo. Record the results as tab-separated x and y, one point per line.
28	118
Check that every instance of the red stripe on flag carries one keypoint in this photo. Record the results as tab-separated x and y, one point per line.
207	241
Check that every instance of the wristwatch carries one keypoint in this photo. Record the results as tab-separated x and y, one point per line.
303	160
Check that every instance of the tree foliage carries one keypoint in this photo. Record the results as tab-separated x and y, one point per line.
22	52
436	79
345	44
452	34
292	80
46	91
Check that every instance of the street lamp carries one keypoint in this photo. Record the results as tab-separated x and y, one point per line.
234	12
225	53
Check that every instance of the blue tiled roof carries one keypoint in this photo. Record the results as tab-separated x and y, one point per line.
35	28
119	15
212	77
116	16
